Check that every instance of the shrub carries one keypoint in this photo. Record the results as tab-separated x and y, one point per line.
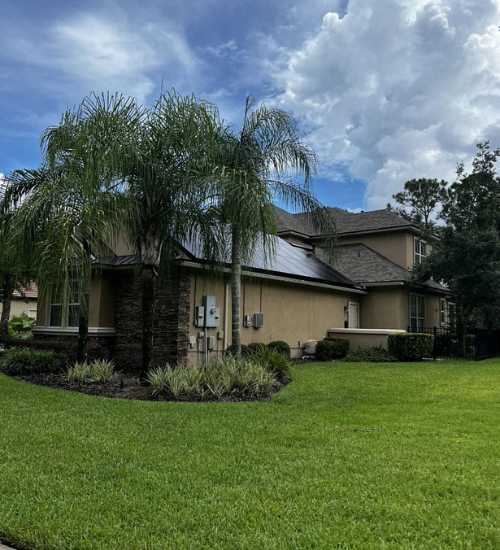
231	350
332	348
410	347
21	326
256	347
23	361
276	363
99	371
228	378
79	372
280	346
369	355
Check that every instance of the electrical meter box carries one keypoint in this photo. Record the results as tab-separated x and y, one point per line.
212	312
199	318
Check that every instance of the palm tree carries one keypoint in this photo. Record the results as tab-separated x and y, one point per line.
68	208
265	161
169	190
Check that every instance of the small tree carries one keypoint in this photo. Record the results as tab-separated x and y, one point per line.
421	199
14	268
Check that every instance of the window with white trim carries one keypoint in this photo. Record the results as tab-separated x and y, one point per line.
420	251
416	313
443	312
65	313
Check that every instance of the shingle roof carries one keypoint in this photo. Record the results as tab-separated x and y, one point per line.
346	222
287	261
366	266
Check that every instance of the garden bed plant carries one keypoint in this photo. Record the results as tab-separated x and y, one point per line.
256	376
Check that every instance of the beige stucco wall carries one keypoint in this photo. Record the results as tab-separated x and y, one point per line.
363	339
99	298
291	312
385	307
397	246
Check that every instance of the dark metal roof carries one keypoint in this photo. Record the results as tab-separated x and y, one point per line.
287	261
346	222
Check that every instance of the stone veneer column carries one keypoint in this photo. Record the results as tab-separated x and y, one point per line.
171	318
128	309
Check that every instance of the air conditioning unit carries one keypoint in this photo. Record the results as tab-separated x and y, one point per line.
258	320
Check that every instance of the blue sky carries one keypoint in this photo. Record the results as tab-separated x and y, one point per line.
383	91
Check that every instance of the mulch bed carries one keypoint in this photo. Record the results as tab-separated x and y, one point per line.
123	387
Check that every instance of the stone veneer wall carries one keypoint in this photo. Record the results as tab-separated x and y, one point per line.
128	317
171	318
99	347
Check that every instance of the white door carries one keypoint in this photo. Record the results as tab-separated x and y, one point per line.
353	315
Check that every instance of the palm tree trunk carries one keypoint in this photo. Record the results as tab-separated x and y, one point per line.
83	315
236	289
83	333
6	307
147	317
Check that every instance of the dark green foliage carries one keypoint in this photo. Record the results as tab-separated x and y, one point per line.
446	345
21	326
255	347
275	362
22	361
281	347
332	348
421	199
410	347
467	256
231	350
369	355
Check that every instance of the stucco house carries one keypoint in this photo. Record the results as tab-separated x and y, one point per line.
24	302
295	296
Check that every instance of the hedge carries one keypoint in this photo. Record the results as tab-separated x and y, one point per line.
410	347
22	361
332	348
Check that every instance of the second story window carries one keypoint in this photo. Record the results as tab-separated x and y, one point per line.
420	251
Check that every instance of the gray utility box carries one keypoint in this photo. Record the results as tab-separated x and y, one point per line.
212	312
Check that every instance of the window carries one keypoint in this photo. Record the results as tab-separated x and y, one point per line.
417	313
56	307
353	315
443	312
452	315
420	251
65	314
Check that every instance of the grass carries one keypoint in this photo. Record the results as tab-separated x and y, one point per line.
347	456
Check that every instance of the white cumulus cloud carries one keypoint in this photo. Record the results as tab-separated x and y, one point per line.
397	89
97	53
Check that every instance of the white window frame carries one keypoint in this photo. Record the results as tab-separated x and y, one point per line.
416	322
443	312
419	250
65	305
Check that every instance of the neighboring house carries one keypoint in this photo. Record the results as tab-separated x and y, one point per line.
24	302
294	296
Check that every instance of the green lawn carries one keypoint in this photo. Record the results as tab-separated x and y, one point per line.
350	456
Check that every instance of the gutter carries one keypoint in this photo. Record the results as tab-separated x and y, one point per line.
280	278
